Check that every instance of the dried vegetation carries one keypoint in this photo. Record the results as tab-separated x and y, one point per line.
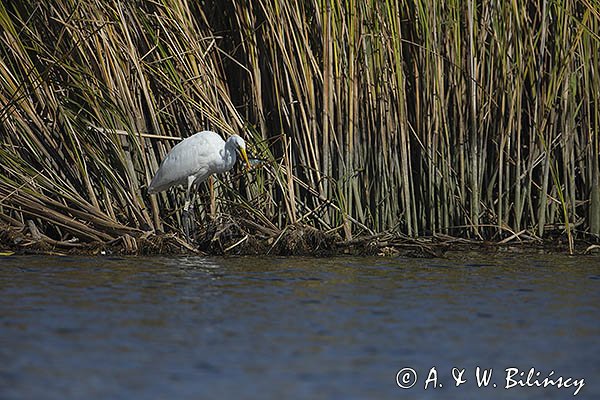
419	120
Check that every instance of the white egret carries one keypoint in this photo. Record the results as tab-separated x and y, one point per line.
194	160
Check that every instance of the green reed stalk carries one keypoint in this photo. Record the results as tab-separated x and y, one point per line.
418	117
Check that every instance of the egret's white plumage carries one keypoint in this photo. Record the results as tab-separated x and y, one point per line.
193	160
196	158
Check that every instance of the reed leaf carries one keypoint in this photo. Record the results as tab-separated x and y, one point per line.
474	119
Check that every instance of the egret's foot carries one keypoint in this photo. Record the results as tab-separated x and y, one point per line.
189	225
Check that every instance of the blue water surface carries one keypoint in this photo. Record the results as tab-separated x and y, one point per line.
298	328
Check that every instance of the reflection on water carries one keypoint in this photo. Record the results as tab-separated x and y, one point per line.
273	328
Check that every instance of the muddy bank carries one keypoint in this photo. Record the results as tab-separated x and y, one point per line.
229	237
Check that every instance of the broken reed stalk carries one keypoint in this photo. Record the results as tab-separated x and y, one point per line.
466	119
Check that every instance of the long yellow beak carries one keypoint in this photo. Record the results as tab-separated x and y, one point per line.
245	157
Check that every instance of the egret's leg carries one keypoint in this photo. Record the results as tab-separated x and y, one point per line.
188	216
185	220
192	228
213	203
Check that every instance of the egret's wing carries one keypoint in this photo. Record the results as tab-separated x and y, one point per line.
193	156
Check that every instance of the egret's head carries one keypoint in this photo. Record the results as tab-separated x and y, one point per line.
240	146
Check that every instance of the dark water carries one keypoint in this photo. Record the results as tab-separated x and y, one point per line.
275	328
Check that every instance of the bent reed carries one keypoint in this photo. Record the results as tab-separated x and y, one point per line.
475	120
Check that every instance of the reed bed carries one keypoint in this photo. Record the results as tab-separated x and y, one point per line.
470	119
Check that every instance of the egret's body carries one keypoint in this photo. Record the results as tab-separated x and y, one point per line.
194	160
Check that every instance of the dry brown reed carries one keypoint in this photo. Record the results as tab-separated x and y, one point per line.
471	119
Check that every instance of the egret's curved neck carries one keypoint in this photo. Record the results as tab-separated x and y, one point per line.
229	154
